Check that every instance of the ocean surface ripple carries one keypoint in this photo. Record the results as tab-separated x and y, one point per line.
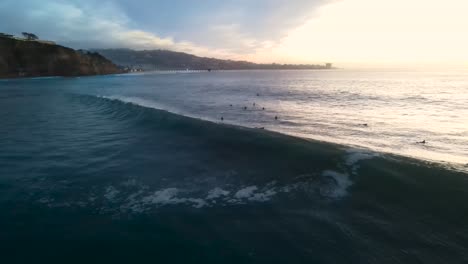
140	168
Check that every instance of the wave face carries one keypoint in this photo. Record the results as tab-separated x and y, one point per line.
83	168
384	111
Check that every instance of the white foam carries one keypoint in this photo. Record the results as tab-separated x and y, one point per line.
286	188
216	193
355	156
111	193
141	201
165	196
251	193
262	197
133	204
169	196
197	202
342	184
245	192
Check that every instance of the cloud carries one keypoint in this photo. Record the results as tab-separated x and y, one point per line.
214	28
262	20
65	22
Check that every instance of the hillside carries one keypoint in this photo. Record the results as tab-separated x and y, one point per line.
22	58
171	60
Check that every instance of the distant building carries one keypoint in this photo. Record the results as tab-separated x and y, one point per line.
328	65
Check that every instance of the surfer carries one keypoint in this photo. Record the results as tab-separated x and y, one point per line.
276	117
422	142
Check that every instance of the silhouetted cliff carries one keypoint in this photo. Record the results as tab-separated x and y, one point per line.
22	58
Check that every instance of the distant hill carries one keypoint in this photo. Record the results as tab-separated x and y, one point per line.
34	58
171	60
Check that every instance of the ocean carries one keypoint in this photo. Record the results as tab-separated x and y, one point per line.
322	166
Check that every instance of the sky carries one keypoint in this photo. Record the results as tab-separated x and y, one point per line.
345	32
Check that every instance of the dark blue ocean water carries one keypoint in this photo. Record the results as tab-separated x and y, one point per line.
94	170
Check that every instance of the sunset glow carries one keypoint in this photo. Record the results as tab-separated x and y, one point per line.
381	32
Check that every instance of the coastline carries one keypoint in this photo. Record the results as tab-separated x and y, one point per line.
25	58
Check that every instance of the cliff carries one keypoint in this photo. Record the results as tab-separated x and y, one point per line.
21	58
171	60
